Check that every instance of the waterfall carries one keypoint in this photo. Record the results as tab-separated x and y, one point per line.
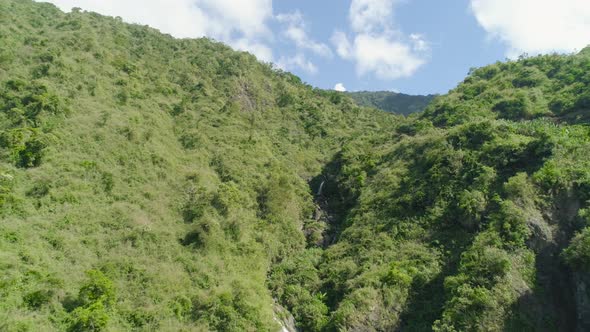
319	193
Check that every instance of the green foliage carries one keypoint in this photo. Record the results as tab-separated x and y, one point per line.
25	111
92	317
231	312
95	298
6	185
27	149
182	307
478	288
195	203
514	108
98	288
179	168
529	77
511	224
36	299
473	204
577	255
484	168
296	283
467	305
203	186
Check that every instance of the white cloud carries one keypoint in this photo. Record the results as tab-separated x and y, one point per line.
342	44
296	31
239	23
298	61
419	44
388	59
536	26
246	16
370	15
377	47
339	87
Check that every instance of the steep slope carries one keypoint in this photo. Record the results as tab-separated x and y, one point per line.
460	217
398	103
148	182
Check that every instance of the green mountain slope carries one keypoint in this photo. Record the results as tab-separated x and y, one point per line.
149	183
462	217
393	102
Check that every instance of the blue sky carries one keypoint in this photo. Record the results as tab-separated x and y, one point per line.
456	42
411	46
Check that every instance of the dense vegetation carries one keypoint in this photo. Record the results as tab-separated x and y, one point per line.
398	103
149	183
462	213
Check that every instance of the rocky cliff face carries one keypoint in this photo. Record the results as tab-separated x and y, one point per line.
582	298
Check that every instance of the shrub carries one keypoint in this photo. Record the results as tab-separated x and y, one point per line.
562	103
29	153
398	276
228	197
94	299
514	108
577	255
473	135
195	202
181	306
550	176
98	288
285	99
93	317
528	77
510	221
473	204
519	189
463	310
6	184
36	299
312	314
484	265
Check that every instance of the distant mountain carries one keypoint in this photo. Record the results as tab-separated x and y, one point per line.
391	101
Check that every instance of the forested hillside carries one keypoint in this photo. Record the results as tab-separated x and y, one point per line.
463	218
155	184
149	182
398	103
